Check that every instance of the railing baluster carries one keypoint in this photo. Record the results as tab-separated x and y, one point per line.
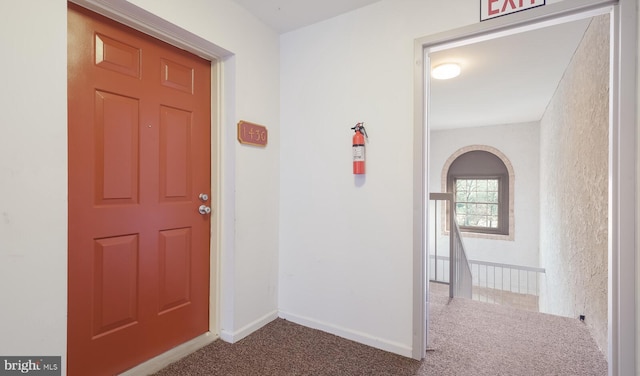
519	283
501	284
510	280
494	284
486	283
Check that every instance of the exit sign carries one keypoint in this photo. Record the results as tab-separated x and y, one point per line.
495	8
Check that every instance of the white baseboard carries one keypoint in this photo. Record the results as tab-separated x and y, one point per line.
233	337
366	339
161	361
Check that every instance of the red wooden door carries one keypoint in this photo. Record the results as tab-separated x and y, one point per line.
139	156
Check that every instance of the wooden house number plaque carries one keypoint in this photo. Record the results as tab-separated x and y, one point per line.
252	134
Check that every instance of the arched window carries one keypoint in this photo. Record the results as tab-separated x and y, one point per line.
481	178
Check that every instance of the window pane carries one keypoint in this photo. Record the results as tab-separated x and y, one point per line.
474	220
471	209
471	185
477	202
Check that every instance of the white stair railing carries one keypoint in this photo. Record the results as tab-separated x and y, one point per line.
507	284
460	285
463	285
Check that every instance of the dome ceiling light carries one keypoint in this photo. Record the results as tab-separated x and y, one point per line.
445	71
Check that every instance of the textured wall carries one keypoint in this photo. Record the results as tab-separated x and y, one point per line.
573	190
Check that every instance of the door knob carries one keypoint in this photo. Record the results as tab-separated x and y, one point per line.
204	209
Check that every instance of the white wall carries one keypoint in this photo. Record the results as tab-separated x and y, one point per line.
33	178
520	144
33	168
346	250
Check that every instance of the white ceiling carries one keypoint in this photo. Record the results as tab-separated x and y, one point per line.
287	15
503	81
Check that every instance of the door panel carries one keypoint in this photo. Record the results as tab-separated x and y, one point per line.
139	155
175	164
175	273
115	284
117	56
116	152
177	76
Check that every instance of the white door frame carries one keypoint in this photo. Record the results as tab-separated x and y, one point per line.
221	159
622	161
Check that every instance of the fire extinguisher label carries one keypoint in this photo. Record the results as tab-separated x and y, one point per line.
358	153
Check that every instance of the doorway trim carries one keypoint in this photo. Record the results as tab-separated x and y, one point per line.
622	161
222	70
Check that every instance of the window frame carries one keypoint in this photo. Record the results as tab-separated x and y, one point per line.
509	189
503	204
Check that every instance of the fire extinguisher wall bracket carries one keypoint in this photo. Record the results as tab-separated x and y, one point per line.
358	146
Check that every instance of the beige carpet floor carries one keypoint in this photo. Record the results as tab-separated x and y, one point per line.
467	338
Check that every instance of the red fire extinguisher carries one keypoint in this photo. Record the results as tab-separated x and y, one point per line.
358	148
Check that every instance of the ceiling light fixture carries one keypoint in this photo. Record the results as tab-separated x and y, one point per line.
445	71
